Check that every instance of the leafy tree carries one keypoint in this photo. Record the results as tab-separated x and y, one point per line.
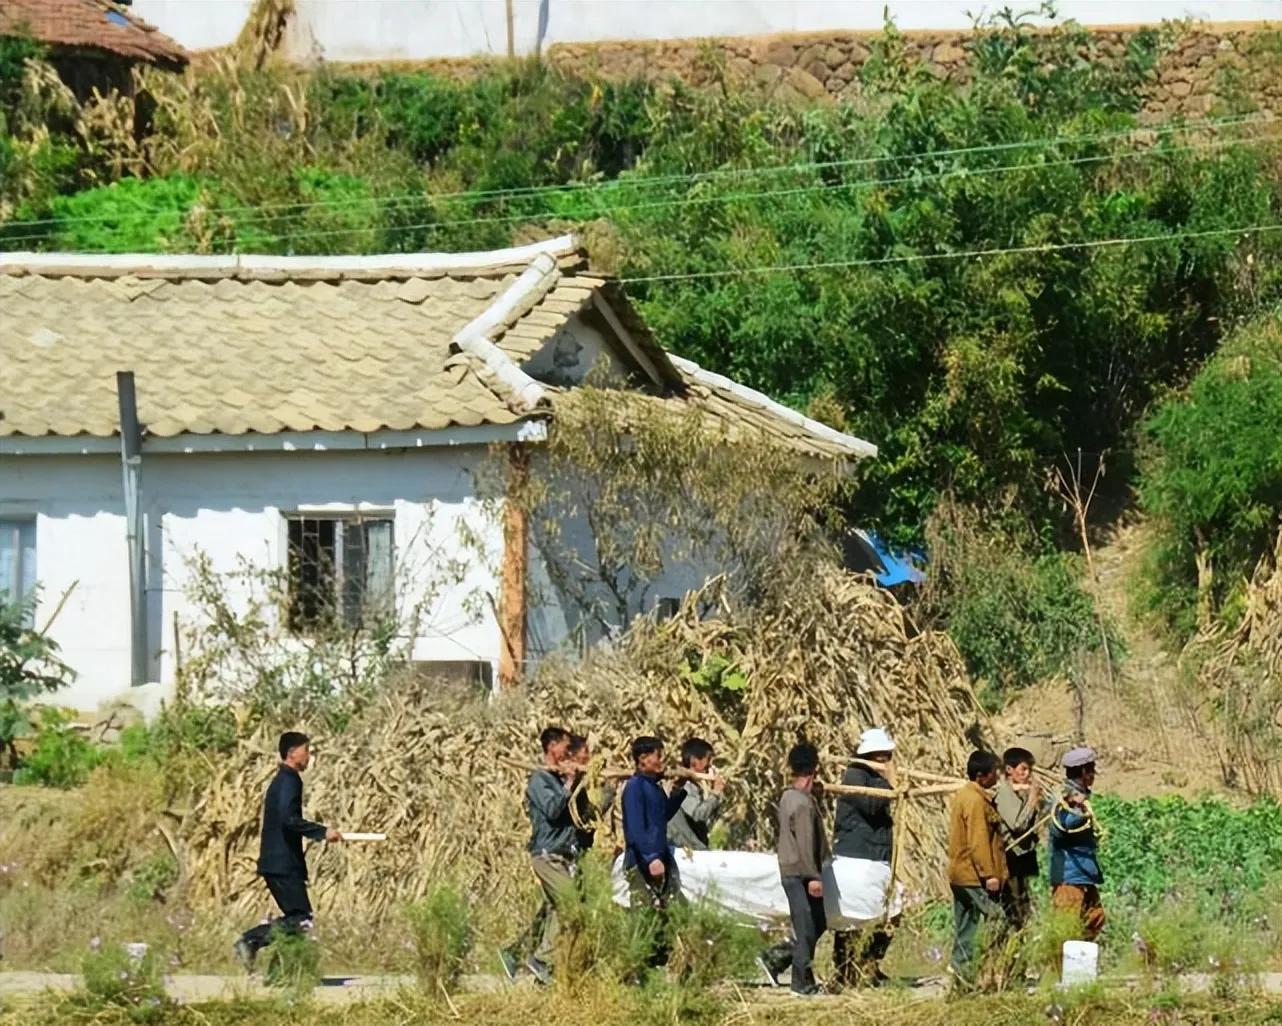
1211	477
29	668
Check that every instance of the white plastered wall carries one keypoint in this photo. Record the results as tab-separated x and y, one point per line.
230	506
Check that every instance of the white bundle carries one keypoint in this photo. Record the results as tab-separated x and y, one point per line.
746	884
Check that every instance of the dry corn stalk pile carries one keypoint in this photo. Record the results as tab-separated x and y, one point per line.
824	667
1243	669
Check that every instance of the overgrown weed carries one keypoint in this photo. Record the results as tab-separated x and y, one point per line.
442	933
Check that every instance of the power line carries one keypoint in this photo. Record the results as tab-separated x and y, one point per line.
908	258
869	183
1165	129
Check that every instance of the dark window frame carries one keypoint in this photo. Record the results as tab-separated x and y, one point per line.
329	572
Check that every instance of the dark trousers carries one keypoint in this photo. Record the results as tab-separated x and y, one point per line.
655	898
290	895
808	924
972	907
1018	896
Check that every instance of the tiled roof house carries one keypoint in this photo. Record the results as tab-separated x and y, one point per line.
337	405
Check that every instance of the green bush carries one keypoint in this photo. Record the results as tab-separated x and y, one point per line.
293	962
112	979
29	668
188	727
1211	477
128	216
442	935
62	756
1157	848
1017	611
599	939
710	946
152	879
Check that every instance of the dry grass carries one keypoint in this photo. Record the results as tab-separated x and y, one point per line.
662	1006
829	664
1239	670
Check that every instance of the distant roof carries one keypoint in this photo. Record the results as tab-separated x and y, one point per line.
92	25
266	344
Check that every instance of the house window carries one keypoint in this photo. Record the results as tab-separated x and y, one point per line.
666	609
340	570
18	560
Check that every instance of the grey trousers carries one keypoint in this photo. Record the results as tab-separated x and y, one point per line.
972	907
809	922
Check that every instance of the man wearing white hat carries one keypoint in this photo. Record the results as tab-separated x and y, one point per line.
865	829
1074	845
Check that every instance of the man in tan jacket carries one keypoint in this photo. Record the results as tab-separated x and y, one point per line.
976	861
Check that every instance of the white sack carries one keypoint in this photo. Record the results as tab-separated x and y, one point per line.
746	883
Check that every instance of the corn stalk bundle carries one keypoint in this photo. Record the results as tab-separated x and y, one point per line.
441	782
1242	669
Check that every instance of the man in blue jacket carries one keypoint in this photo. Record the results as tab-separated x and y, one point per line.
280	853
1074	845
647	859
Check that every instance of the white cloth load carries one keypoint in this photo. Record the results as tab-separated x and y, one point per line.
746	883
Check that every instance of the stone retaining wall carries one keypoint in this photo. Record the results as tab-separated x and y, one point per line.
1200	68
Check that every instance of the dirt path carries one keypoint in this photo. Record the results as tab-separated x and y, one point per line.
339	990
1137	718
194	989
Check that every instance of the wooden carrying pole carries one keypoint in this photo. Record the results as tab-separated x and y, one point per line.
516	549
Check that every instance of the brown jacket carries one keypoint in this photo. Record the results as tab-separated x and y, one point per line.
803	844
976	850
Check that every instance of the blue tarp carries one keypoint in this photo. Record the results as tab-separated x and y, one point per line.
896	567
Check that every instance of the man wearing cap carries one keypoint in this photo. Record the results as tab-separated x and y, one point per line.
1074	845
865	828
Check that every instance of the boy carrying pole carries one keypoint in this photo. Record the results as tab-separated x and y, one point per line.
587	813
865	829
691	825
1019	811
651	871
1074	843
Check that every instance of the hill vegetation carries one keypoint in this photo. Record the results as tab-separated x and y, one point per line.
987	281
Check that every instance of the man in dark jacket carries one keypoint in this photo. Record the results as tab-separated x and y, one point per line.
865	828
553	849
651	871
280	853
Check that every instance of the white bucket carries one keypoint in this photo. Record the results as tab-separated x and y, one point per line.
136	952
1081	963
